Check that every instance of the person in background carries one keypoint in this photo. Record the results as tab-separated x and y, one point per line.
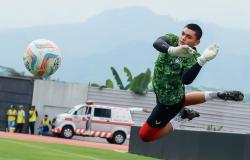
11	118
32	119
20	119
45	125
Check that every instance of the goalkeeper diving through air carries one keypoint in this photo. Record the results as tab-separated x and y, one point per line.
177	65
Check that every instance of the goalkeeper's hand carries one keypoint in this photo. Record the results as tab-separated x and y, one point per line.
209	54
181	51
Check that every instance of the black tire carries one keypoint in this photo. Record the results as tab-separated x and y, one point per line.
119	137
110	140
67	132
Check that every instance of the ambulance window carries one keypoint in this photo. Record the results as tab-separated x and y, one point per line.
101	112
79	111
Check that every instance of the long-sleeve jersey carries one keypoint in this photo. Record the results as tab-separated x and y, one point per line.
171	73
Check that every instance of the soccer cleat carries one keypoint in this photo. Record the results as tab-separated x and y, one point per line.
231	95
189	114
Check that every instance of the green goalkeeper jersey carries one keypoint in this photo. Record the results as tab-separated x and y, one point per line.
167	81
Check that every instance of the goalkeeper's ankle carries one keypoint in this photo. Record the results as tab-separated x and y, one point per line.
209	95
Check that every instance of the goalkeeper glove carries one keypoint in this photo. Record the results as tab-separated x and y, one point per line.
181	51
209	54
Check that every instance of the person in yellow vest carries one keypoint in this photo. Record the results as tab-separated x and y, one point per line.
11	117
32	119
20	119
45	125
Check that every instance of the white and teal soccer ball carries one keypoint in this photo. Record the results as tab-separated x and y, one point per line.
42	58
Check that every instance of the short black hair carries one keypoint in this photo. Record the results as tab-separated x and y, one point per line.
196	28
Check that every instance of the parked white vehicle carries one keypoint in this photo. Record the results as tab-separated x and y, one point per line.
112	123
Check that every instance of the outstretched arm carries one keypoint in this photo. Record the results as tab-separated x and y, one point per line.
162	45
190	74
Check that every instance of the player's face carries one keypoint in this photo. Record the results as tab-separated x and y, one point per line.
188	37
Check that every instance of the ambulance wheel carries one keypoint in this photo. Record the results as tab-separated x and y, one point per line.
67	132
110	140
119	137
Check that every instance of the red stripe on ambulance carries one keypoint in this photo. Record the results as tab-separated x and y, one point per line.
68	119
93	133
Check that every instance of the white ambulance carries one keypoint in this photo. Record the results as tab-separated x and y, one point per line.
112	123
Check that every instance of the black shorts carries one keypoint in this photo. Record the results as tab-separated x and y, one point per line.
162	114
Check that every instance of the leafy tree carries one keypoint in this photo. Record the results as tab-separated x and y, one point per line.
117	78
11	72
130	77
94	85
139	84
109	83
7	71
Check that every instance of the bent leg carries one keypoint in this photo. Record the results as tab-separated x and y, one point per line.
193	98
148	133
157	124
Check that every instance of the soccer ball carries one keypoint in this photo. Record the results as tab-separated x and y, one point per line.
42	58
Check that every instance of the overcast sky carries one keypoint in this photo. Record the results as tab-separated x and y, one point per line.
23	13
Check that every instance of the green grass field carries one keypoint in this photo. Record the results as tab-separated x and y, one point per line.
25	150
